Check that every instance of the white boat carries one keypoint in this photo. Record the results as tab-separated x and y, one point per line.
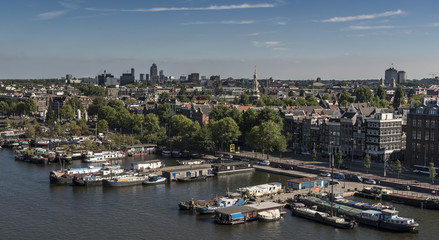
102	156
269	215
154	179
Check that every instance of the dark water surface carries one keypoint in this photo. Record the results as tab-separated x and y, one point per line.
31	208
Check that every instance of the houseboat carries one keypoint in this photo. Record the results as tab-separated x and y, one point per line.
261	190
242	214
124	181
149	165
103	156
300	210
220	203
232	167
387	219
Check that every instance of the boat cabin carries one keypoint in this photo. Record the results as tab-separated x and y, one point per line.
371	215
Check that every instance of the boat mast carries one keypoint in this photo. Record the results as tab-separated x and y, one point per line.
332	182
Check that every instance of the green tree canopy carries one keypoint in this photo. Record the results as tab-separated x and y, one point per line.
164	96
164	112
367	163
76	104
268	114
219	112
339	158
432	171
31	106
224	131
267	137
202	140
67	112
102	126
398	167
363	94
381	93
399	97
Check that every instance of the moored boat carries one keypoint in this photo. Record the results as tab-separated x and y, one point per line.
322	217
191	179
154	179
219	204
269	215
191	204
124	181
387	219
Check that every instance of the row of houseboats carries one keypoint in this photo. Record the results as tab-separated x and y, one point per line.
340	213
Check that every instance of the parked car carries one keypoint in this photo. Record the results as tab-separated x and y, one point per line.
245	159
369	181
354	178
229	156
333	182
324	174
265	163
339	176
306	153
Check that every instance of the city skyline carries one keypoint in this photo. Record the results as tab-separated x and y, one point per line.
284	39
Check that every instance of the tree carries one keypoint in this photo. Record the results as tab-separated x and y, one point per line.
244	99
266	137
98	103
339	158
30	132
367	162
398	168
183	127
67	112
302	93
50	117
345	98
164	97
82	123
268	114
249	120
31	106
164	111
76	104
102	126
432	171
219	112
20	108
363	94
202	140
152	132
381	93
314	155
4	107
224	131
311	100
399	97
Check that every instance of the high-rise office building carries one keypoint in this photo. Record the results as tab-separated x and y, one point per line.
127	78
390	75
153	73
402	77
161	76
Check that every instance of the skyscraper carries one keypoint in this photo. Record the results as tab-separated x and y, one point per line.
390	75
153	74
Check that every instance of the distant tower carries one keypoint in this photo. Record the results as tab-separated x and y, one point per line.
402	77
393	82
255	87
390	74
153	74
382	82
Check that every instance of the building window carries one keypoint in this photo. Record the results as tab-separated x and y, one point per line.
427	123
433	123
414	122
432	111
419	135
432	136
419	123
427	136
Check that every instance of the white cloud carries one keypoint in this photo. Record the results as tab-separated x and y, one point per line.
364	17
254	34
369	27
50	15
435	24
281	23
213	7
221	22
266	44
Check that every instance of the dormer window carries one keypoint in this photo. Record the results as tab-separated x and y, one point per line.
433	111
420	110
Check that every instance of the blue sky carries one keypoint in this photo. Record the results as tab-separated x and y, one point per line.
339	39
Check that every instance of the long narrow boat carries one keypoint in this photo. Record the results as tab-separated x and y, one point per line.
219	204
124	181
385	219
322	217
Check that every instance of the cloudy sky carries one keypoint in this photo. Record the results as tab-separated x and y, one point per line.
284	39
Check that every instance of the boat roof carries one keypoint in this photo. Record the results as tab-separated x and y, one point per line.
250	207
372	212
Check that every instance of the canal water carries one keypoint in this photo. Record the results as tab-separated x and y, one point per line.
31	208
